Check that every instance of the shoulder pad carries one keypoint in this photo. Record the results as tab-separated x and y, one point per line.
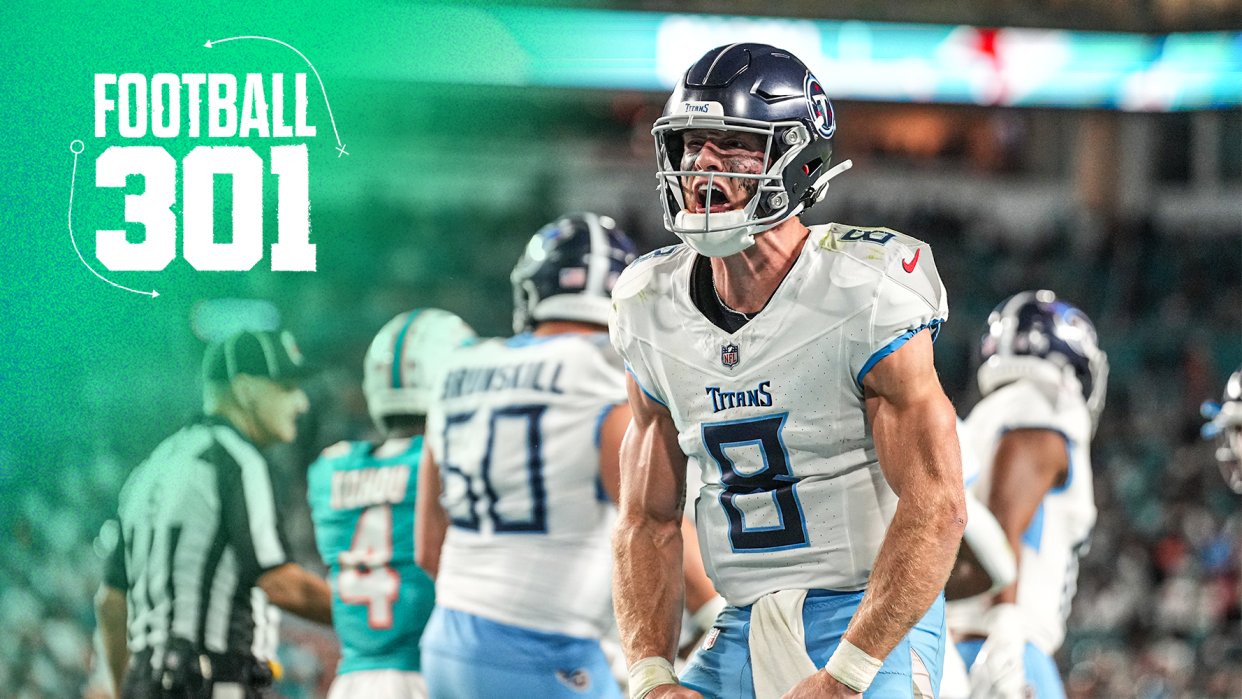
640	274
902	258
865	244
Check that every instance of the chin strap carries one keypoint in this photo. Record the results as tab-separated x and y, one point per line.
822	182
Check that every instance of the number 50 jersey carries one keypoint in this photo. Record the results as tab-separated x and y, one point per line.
791	495
515	432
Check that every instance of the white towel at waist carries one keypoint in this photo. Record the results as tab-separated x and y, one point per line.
778	657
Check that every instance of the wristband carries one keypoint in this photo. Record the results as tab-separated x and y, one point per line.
852	667
649	673
705	618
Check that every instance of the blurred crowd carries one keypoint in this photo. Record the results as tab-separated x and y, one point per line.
1157	611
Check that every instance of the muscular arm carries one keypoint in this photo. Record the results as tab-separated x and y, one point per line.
1027	465
112	611
431	521
648	582
914	429
699	589
298	591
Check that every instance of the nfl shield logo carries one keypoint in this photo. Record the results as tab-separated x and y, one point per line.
728	355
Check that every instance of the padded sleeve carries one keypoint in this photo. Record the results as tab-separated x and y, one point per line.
908	297
633	352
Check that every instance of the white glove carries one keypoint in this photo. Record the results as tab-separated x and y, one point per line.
999	672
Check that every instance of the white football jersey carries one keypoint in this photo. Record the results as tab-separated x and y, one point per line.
1058	533
790	494
515	432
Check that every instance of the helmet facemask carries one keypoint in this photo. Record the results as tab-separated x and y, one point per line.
728	232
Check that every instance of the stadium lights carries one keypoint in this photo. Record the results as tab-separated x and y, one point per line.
556	47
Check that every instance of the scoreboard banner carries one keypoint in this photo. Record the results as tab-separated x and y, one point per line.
556	47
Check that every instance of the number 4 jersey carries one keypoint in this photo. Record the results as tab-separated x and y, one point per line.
515	432
363	507
791	494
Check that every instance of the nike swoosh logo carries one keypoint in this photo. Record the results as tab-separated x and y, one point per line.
909	266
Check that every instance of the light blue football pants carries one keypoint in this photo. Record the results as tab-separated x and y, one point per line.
1041	671
723	671
468	657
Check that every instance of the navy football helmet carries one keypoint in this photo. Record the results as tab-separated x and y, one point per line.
1034	336
757	89
1226	428
568	271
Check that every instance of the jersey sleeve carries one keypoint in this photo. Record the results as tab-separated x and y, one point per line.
249	511
908	297
630	293
607	380
971	468
433	435
1025	405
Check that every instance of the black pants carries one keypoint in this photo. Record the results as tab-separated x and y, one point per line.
235	679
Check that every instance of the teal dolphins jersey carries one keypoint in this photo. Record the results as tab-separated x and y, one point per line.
363	507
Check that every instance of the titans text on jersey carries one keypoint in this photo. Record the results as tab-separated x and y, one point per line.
791	493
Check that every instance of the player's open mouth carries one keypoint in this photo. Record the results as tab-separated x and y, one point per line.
720	200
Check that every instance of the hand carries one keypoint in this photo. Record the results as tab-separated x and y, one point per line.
673	691
821	685
1000	671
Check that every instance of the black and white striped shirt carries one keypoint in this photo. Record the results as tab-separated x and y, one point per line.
199	526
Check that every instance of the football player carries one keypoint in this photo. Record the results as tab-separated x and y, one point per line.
793	367
362	500
985	564
1226	428
1043	381
517	485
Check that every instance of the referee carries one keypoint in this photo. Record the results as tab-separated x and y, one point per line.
202	556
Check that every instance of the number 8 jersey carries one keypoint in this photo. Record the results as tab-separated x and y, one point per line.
515	433
791	494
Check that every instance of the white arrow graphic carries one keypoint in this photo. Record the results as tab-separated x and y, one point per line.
340	147
76	147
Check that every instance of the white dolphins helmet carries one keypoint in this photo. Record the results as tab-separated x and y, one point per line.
406	358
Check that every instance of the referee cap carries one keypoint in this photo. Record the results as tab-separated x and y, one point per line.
264	353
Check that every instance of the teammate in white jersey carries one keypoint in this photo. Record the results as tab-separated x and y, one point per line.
793	368
1226	428
523	440
985	564
1043	381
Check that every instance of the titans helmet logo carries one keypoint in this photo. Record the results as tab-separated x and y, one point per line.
819	107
